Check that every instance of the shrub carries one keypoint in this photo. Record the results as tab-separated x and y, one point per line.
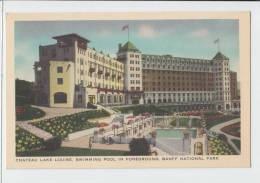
23	92
222	137
53	143
27	112
91	106
139	147
173	123
21	100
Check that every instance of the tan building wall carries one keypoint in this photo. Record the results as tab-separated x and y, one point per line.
61	84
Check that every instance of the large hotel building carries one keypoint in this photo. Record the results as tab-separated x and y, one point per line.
71	74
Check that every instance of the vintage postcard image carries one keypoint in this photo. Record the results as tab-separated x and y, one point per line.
128	90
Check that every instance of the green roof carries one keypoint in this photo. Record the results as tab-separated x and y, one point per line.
220	56
128	46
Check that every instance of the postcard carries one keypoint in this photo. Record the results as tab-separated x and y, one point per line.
128	90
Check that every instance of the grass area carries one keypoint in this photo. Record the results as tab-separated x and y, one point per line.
196	122
26	141
237	143
63	125
24	113
139	109
217	118
67	151
184	122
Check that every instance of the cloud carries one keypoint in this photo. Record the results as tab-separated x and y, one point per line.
200	33
147	31
104	32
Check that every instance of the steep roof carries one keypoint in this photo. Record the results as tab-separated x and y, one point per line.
128	46
220	56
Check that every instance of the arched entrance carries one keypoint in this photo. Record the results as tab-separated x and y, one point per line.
60	97
227	106
219	107
149	101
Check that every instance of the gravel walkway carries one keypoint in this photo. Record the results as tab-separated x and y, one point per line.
83	142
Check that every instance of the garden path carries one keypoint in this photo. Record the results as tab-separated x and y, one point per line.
34	130
83	142
217	129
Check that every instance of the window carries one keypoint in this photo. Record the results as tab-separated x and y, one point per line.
60	97
59	69
60	81
81	61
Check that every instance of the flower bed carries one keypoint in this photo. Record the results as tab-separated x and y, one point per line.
233	129
102	124
62	126
218	146
24	113
26	141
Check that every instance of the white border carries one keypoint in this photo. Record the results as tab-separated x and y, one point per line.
146	175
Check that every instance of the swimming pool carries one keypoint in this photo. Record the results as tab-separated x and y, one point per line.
174	133
172	141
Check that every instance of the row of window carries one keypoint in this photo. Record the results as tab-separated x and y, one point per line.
134	56
134	62
135	75
134	68
116	99
177	67
183	61
178	89
178	94
135	82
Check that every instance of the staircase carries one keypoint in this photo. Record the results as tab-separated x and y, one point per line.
108	109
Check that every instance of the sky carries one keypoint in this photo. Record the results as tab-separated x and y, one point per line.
181	38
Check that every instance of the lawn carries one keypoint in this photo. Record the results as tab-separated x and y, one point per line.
64	125
184	122
213	119
237	143
24	113
67	151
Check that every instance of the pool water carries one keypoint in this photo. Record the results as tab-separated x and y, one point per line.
173	133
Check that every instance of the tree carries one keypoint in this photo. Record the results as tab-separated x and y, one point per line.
23	92
139	147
